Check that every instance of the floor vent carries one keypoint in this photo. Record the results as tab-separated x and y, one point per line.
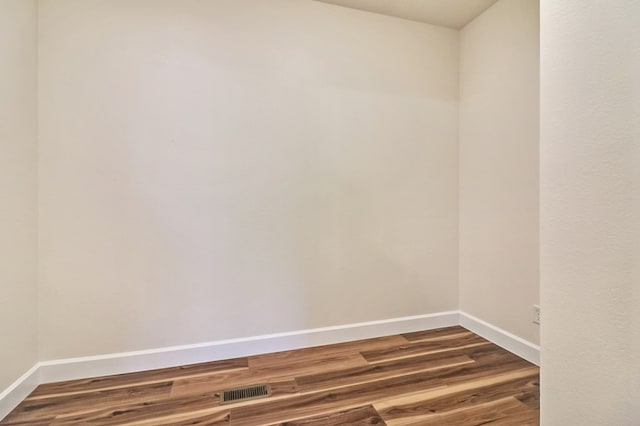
245	393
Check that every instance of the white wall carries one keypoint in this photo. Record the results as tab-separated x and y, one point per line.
499	233
590	212
224	169
18	124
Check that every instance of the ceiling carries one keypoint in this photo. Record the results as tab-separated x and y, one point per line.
447	13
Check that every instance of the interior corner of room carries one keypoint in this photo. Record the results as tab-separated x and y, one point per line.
183	181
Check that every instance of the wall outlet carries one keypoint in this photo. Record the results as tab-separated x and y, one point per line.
536	314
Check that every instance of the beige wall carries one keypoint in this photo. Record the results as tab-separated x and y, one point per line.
18	123
223	169
590	212
499	237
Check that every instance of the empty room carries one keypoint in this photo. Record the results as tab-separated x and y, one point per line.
319	212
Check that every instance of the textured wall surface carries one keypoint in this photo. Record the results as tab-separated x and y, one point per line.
213	170
499	102
18	124
590	212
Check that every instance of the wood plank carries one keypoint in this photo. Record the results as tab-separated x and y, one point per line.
437	334
189	419
370	373
413	408
95	384
356	416
34	410
423	348
506	409
43	422
531	398
490	353
276	371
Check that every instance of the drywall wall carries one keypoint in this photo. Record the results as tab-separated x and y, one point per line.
18	134
212	170
499	232
590	212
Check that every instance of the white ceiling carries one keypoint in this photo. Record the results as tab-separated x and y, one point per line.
447	13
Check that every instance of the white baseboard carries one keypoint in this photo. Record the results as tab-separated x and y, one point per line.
19	390
77	368
514	344
127	362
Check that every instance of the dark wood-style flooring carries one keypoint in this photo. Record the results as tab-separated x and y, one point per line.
448	376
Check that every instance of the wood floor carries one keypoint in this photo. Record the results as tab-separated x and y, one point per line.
448	376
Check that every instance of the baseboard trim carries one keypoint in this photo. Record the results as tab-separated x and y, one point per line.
119	363
514	344
127	362
19	390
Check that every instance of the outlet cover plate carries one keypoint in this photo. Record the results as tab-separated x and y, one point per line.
536	314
